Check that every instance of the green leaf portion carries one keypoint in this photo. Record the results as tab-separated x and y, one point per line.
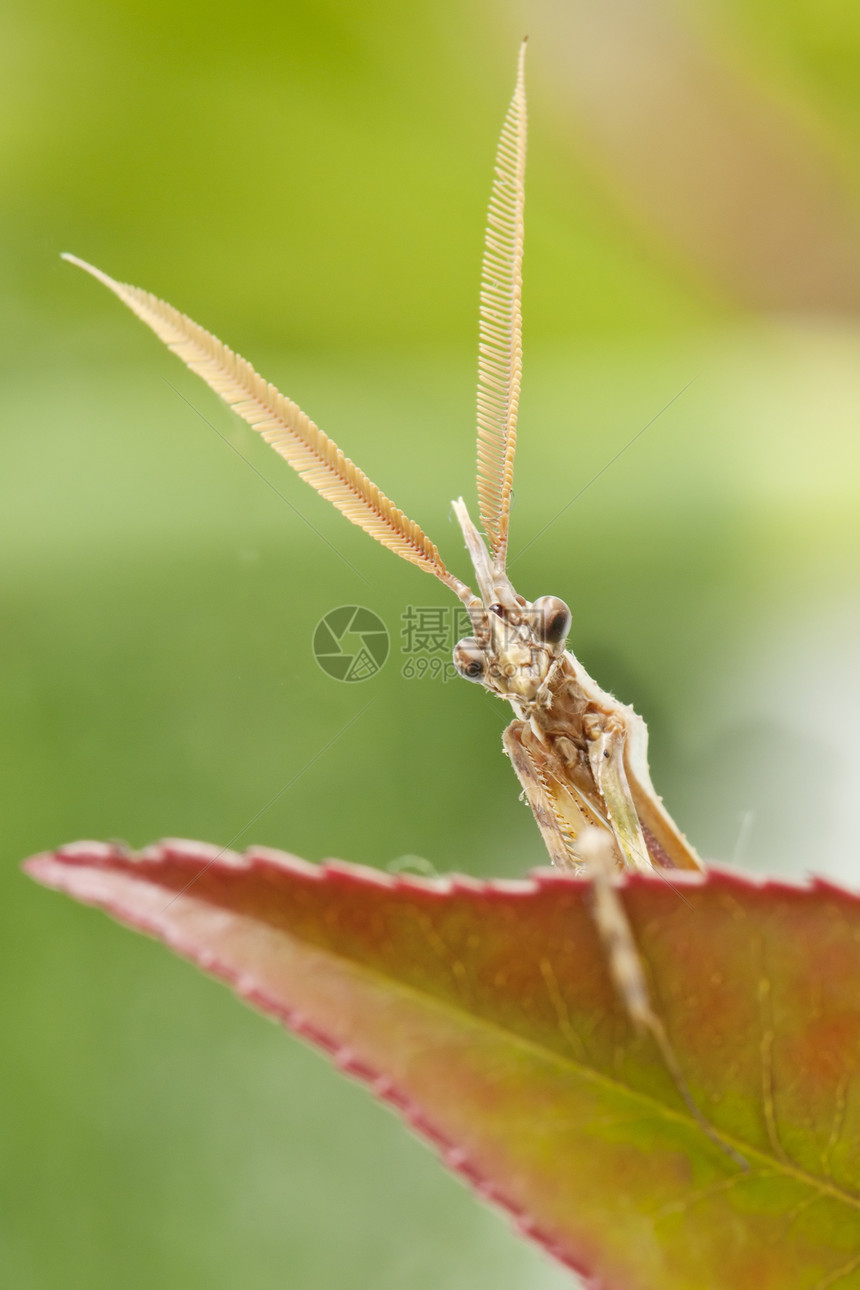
484	1013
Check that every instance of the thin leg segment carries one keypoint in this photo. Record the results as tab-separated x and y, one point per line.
513	741
606	755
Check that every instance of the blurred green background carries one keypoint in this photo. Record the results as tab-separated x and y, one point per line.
309	181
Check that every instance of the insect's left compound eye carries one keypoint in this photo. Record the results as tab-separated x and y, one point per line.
551	619
469	659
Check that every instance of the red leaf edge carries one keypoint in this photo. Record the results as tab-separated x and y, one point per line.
49	868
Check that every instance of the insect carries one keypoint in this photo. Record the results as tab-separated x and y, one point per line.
579	754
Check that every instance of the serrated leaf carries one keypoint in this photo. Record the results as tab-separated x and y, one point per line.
484	1013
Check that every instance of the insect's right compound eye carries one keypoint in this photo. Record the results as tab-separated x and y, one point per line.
469	659
552	619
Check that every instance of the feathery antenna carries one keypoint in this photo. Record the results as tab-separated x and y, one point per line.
500	347
282	423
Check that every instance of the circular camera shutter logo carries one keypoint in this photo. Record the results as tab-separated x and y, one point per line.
351	643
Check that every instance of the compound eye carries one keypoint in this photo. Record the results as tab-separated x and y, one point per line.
551	619
469	659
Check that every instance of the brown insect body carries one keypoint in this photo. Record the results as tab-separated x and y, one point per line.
581	756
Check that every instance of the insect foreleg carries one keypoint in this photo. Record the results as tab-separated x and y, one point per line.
624	961
606	740
590	849
596	852
513	741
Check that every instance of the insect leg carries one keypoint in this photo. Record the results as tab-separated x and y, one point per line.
595	850
595	853
513	741
606	756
